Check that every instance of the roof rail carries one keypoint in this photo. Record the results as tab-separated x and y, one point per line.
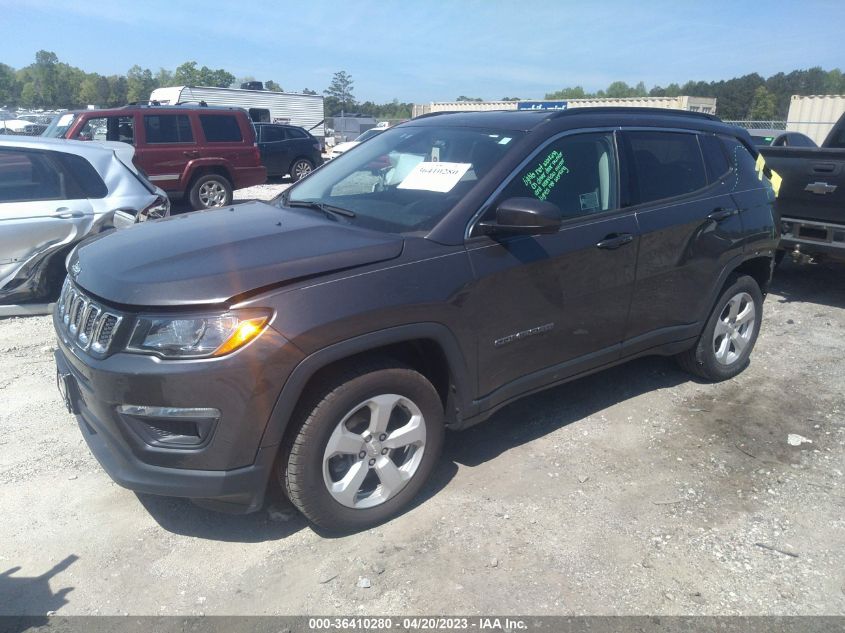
633	110
201	104
431	114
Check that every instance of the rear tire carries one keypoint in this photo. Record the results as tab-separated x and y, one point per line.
723	349
362	446
210	191
300	168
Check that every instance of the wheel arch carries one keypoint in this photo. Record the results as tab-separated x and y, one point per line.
430	348
758	266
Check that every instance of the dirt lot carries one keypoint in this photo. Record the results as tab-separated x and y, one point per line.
635	491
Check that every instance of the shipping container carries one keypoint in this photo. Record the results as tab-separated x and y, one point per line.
692	104
262	105
814	115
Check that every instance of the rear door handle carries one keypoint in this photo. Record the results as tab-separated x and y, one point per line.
191	154
615	240
721	214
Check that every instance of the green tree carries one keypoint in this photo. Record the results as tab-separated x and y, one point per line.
139	83
340	89
95	90
619	90
465	98
308	91
511	99
9	91
763	106
164	78
576	92
272	86
186	75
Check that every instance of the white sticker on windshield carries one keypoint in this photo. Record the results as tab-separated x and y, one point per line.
440	177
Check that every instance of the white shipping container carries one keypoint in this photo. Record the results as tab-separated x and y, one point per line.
693	104
275	107
814	115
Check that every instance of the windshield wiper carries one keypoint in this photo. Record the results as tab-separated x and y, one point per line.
328	209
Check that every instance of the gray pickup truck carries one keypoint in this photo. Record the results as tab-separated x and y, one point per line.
811	202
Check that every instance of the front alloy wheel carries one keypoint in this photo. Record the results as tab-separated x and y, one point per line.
363	445
374	451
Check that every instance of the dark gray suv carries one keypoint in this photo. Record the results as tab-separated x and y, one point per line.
324	342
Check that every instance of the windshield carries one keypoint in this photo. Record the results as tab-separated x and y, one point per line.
368	134
59	125
407	178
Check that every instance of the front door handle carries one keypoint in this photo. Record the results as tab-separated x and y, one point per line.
615	240
721	214
64	213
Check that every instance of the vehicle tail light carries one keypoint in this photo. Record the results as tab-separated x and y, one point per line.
160	208
256	154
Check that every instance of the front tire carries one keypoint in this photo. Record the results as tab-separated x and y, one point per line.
210	191
723	349
363	447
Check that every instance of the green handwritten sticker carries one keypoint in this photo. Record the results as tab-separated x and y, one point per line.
543	178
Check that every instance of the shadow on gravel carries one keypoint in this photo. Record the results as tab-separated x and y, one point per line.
31	595
535	416
823	283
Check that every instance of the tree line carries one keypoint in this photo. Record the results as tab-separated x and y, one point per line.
51	84
750	97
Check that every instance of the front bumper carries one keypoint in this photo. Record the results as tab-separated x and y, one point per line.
230	471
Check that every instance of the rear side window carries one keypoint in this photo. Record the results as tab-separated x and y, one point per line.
295	132
714	157
220	128
663	165
84	181
744	165
26	176
168	128
272	134
577	173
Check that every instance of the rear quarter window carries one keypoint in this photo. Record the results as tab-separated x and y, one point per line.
219	128
84	181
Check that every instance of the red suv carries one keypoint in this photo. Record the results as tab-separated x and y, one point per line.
200	151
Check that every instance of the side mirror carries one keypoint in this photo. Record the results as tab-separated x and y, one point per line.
527	216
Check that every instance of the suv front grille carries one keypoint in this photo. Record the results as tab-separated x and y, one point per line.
84	322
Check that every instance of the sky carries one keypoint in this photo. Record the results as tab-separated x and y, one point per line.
435	50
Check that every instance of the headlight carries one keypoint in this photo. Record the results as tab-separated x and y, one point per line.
196	336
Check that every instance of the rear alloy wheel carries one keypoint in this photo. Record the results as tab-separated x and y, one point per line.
301	167
723	349
365	447
211	191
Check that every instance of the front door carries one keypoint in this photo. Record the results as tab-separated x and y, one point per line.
550	306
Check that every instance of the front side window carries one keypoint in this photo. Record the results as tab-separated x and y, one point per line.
577	173
663	165
112	128
405	179
220	128
168	128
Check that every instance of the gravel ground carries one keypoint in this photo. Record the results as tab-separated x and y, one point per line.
634	491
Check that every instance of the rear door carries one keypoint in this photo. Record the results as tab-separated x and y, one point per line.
165	144
554	305
223	137
690	228
40	211
275	149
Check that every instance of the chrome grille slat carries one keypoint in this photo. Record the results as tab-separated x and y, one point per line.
85	323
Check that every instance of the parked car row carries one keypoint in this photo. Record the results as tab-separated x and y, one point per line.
55	193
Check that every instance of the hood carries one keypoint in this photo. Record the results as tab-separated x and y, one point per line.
208	257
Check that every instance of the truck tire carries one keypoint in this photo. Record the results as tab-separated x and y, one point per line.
300	168
362	446
210	191
723	349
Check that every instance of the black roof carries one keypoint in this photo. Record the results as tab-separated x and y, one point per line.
529	119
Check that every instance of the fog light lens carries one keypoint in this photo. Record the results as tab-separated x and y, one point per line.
171	426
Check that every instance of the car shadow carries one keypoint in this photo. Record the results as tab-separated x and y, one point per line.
537	415
27	600
821	283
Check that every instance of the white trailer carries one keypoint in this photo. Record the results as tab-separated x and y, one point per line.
814	115
262	105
